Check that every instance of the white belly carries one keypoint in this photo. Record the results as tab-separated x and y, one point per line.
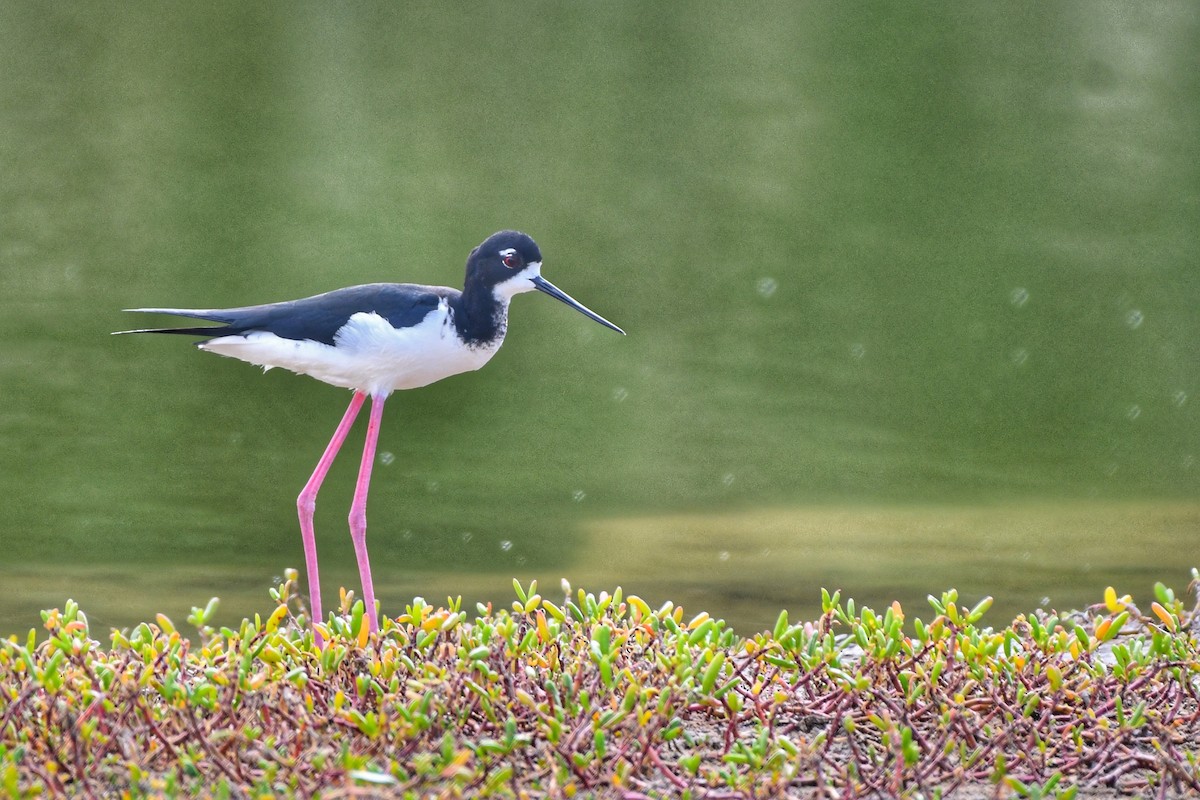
368	354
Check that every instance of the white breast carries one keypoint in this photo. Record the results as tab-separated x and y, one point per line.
368	354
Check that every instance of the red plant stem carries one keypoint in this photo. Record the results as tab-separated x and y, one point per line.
665	771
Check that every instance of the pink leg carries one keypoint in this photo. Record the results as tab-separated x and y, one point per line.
358	510
306	504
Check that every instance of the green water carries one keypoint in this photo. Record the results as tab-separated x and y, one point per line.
909	264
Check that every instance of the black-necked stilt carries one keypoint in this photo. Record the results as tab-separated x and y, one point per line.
375	339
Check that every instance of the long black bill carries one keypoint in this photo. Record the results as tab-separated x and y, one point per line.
549	288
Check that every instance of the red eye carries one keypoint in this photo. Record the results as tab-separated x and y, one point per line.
512	261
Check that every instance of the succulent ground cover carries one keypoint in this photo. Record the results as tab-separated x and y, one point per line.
602	695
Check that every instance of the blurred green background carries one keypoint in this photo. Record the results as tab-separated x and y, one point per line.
911	293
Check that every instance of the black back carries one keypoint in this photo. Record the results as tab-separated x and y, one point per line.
478	317
321	316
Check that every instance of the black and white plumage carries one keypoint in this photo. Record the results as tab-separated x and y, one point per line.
380	337
375	339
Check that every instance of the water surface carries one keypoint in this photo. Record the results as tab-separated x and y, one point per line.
911	297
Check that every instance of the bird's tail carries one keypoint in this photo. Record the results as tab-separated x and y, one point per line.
216	315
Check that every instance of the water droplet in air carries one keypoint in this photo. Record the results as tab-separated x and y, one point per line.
466	536
406	534
1134	318
433	486
857	350
506	545
1045	601
727	479
1019	356
620	393
1019	296
723	555
1026	555
1188	461
1134	412
521	560
767	286
386	458
1179	398
578	495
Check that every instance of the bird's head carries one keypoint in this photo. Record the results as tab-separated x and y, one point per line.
509	263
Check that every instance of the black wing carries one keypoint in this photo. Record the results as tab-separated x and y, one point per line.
316	318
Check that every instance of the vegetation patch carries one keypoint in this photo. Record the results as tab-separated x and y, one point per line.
601	695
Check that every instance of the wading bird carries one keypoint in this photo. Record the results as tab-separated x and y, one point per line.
376	339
